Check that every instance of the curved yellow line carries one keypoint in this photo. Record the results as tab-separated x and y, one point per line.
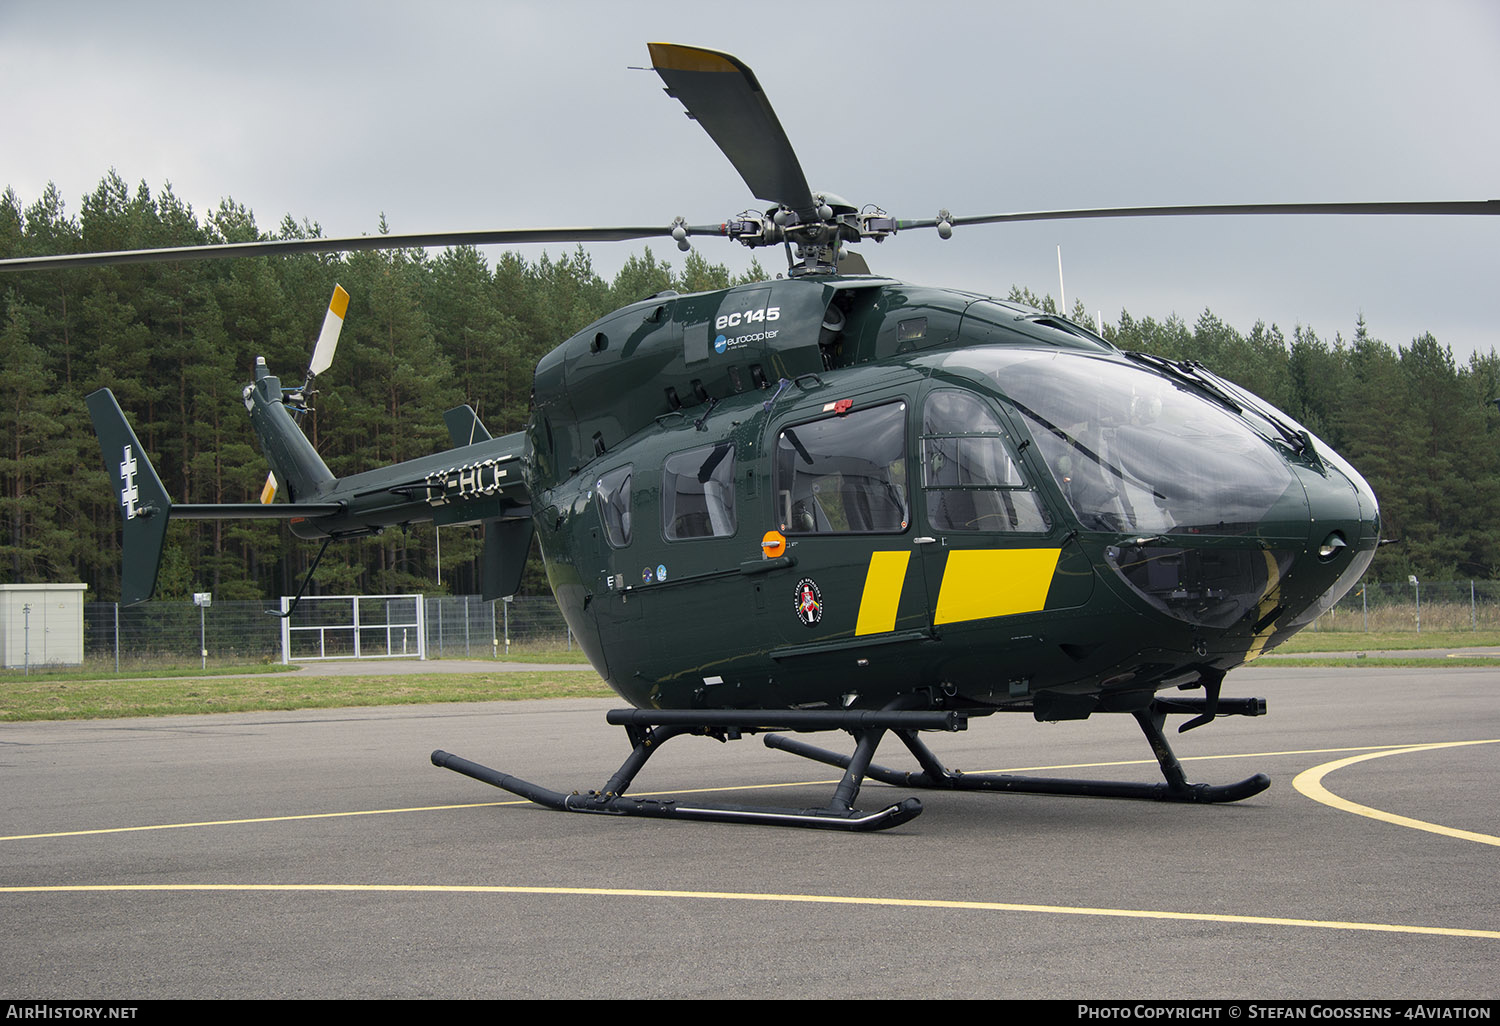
639	794
1310	783
807	899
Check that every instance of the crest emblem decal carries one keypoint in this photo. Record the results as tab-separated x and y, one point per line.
809	602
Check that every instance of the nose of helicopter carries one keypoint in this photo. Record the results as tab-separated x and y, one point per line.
1343	533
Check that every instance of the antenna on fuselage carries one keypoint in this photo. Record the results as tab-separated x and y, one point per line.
1062	292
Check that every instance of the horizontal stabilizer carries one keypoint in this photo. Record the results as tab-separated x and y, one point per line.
146	507
255	510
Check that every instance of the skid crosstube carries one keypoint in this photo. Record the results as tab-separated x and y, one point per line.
649	729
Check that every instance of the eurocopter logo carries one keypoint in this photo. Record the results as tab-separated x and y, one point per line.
129	494
720	344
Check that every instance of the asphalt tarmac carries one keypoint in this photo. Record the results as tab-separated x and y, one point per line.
320	854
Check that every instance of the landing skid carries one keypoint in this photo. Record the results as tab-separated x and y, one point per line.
649	729
934	775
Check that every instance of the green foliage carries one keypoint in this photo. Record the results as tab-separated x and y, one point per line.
424	333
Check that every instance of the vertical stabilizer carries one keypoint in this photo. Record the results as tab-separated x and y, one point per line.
507	543
142	497
465	427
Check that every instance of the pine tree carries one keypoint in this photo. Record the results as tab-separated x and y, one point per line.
30	468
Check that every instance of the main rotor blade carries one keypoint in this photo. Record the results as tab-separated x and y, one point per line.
1491	207
722	95
287	247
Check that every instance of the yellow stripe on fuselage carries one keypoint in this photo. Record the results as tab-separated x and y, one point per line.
982	583
1268	600
882	594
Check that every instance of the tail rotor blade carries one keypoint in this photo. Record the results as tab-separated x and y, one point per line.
328	338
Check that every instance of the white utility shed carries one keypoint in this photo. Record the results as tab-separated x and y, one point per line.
42	624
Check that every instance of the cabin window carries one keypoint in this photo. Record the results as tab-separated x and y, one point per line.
612	495
970	474
845	474
698	493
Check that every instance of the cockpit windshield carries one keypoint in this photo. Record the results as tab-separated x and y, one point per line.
1134	451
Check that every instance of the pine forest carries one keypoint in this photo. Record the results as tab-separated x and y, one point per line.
427	332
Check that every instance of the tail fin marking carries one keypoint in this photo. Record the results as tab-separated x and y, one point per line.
142	497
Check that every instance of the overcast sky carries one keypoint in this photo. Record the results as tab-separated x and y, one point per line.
518	114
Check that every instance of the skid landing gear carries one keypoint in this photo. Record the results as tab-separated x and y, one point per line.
936	776
649	729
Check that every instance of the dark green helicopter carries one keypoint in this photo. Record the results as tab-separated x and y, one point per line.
838	502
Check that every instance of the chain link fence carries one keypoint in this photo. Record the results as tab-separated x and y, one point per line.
466	627
1438	606
176	633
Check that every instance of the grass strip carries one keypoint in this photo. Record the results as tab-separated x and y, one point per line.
108	699
95	672
1350	641
1355	662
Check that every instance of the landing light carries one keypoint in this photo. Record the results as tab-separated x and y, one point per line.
1331	546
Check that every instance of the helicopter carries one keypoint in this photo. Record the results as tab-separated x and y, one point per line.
837	502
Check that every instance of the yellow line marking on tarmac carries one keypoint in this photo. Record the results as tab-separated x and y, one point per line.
1187	758
1379	750
1310	783
256	819
806	899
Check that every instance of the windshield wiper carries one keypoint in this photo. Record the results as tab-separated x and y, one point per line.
1298	440
1186	372
1223	392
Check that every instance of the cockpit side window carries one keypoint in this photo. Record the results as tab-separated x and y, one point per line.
698	493
970	474
612	495
845	474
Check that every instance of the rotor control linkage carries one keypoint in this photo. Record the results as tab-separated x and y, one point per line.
936	776
649	729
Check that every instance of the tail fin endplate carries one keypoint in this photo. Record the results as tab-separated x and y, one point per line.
142	496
